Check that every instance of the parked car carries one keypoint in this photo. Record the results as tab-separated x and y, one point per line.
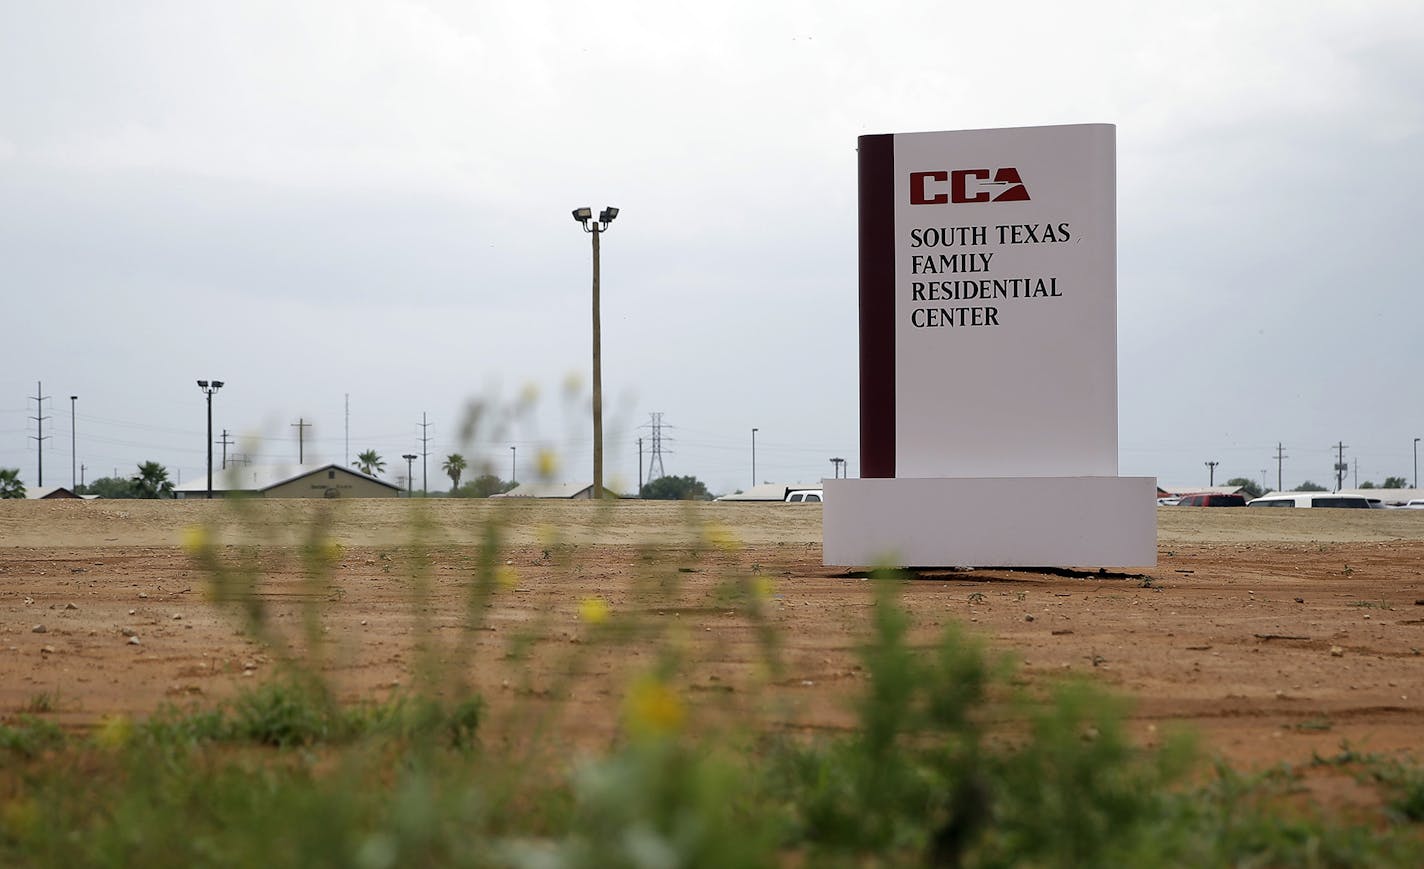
1212	499
803	496
1315	499
1167	502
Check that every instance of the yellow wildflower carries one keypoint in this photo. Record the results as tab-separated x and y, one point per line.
115	732
593	610
653	709
196	539
721	537
548	463
506	576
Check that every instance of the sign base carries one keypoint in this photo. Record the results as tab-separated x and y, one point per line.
990	522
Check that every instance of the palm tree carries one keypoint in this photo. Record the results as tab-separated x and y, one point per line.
10	485
454	466
369	463
152	481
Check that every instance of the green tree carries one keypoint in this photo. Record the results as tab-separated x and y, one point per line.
454	466
1249	488
10	485
483	486
1395	483
1308	486
110	487
1367	485
675	489
369	463
152	481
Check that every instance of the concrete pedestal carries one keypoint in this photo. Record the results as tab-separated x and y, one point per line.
991	521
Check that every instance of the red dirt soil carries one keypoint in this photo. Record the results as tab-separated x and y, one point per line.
1273	634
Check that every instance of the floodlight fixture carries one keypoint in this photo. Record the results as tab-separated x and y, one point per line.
606	215
217	384
583	215
202	384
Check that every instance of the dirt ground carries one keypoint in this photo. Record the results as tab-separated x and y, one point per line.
1271	633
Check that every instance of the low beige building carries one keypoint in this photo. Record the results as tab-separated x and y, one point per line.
290	481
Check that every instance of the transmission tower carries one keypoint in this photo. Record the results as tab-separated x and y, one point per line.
655	462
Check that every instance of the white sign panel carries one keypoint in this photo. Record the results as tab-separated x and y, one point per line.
1005	335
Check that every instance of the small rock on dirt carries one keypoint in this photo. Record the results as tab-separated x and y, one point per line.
1337	652
39	629
133	640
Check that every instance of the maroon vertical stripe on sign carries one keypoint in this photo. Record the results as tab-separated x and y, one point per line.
877	305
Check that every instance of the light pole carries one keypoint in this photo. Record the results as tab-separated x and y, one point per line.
585	218
754	431
73	448
513	454
1211	480
837	462
409	458
1416	463
208	390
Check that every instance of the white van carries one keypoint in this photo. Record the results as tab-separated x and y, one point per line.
1315	499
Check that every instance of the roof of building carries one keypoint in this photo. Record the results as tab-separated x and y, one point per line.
1388	496
1200	490
768	492
546	490
260	478
37	492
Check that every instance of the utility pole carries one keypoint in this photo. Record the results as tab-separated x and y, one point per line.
837	462
1211	480
39	436
1280	455
409	476
1341	466
1356	463
301	425
424	453
640	466
225	443
82	469
754	431
346	461
73	444
1263	481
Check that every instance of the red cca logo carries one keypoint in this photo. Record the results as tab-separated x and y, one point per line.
967	185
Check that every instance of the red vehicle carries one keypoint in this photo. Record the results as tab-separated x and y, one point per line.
1212	499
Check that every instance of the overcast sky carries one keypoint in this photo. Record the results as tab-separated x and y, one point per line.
309	200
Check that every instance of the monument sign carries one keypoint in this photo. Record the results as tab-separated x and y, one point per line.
988	357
